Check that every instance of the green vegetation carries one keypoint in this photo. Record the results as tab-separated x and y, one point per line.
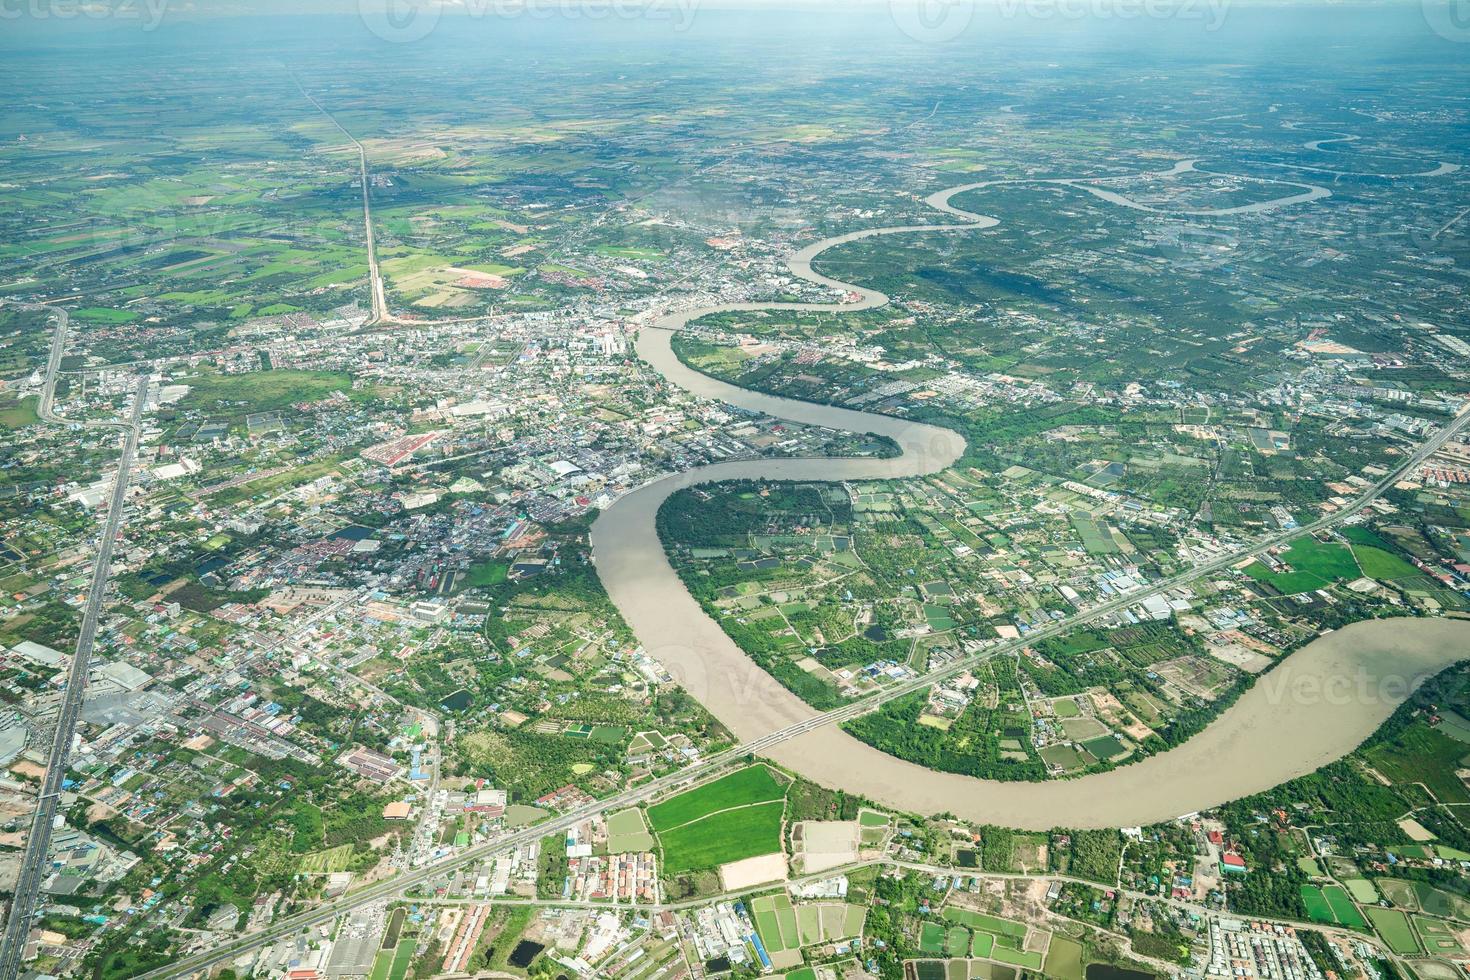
233	396
730	835
1395	929
1314	564
754	784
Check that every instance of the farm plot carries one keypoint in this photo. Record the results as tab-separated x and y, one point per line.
627	833
751	785
825	922
1437	937
874	826
723	837
327	862
1395	929
776	923
1331	905
733	818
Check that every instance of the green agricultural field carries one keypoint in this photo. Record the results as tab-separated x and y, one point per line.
1438	937
1063	959
932	937
626	832
1314	565
16	413
776	922
235	396
1395	929
1379	564
1362	890
1318	909
730	835
985	923
751	785
1017	957
1343	908
1420	754
327	862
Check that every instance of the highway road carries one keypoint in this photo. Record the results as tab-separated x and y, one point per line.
38	842
387	888
375	278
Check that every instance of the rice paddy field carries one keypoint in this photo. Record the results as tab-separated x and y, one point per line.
785	927
1331	905
1313	565
754	784
1063	959
392	964
1437	936
1395	929
977	935
729	819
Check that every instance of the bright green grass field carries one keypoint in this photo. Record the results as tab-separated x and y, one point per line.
1394	927
751	785
1317	908
1314	564
1343	908
985	923
1381	564
720	838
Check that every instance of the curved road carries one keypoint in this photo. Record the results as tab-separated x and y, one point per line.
1339	689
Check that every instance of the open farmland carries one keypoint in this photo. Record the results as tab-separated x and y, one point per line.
729	835
752	785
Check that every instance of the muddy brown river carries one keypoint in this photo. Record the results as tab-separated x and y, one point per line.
1314	708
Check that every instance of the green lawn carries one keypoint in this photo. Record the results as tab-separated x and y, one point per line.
484	574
